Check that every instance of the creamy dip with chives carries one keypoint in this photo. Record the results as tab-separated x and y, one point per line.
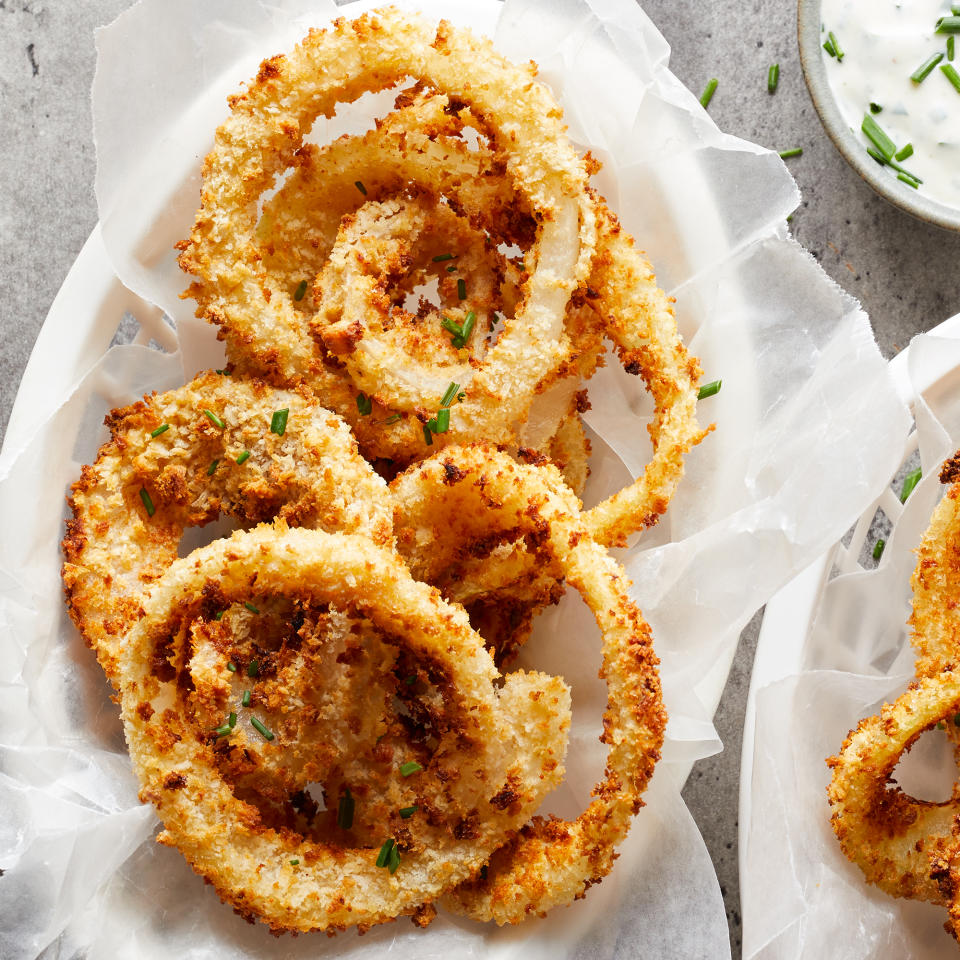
883	42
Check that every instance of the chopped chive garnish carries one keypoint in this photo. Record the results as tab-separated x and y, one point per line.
393	418
253	670
253	609
359	185
223	731
223	373
925	68
345	811
163	428
212	468
408	812
295	862
468	324
948	24
442	420
773	77
909	482
231	666
941	725
147	502
278	422
232	720
260	728
394	861
462	288
427	435
708	92
383	857
451	326
950	47
878	137
955	9
243	457
411	766
451	269
709	389
792	152
950	72
908	180
904	152
443	256
450	395
835	43
878	549
828	46
877	155
214	419
300	291
364	404
875	107
956	719
246	698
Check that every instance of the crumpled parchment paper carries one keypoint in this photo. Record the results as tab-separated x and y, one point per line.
803	898
800	373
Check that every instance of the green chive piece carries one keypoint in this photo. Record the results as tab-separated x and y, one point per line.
253	670
442	420
360	187
384	855
278	422
231	666
393	418
253	609
214	419
147	502
408	812
451	269
223	731
773	77
232	720
244	457
364	404
427	435
444	256
451	326
468	324
949	24
828	46
708	92
261	729
955	9
412	679
925	68
394	862
212	468
411	766
345	811
246	698
940	725
912	176
835	43
950	72
956	719
909	482
950	47
877	155
904	152
878	549
875	107
450	394
163	428
223	373
300	291
792	152
878	137
709	389
295	862
462	289
908	180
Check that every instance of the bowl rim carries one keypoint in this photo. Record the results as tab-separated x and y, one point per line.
815	74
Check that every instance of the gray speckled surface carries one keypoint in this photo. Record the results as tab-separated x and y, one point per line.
899	268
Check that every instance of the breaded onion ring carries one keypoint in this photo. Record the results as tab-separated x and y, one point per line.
182	458
443	505
496	755
266	128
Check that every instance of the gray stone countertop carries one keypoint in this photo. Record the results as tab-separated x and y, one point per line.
901	270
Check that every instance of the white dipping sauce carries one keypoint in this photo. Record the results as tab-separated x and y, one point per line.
883	42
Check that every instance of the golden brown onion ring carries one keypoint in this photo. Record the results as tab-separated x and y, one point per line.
496	755
132	506
444	505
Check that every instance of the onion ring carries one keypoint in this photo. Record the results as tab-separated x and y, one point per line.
291	882
476	491
180	459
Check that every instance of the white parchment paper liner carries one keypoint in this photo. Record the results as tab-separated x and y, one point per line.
809	429
802	897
